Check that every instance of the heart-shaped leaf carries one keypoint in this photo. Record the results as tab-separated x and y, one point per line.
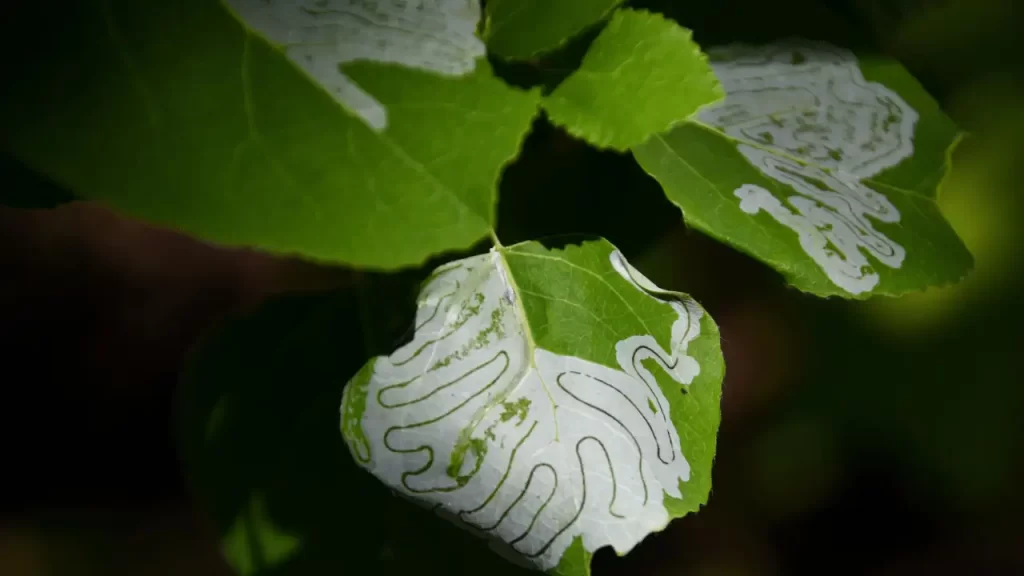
554	401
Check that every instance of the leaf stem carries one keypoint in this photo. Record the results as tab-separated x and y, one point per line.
494	239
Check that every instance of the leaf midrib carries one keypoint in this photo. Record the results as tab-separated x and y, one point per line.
586	271
521	316
531	342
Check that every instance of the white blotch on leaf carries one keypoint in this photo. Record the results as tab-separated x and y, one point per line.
807	118
527	447
321	35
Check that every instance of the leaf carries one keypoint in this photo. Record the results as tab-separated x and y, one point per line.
253	539
234	122
26	189
553	400
824	167
258	430
642	75
521	29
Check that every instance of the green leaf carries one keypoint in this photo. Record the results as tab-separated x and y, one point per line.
552	400
521	29
642	75
252	123
823	167
254	540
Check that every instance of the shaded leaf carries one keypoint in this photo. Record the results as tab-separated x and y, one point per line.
258	428
24	188
521	29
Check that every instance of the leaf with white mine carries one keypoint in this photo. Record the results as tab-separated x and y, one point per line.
822	165
356	131
552	400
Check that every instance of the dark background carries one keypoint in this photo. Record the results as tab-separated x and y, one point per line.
857	438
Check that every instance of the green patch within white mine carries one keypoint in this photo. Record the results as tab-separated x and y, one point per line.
319	36
527	446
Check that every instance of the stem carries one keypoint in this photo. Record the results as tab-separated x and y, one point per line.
494	239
